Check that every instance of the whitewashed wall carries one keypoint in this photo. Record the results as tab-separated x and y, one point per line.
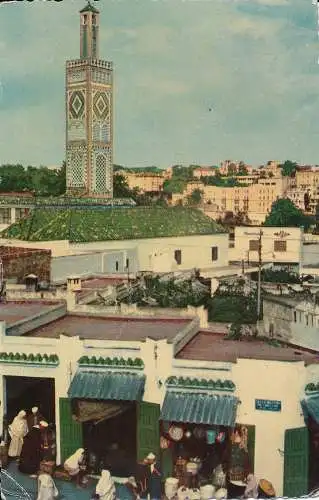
294	238
254	379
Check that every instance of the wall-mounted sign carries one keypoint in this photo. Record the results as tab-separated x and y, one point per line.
282	234
267	405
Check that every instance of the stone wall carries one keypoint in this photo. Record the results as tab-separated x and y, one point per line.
18	262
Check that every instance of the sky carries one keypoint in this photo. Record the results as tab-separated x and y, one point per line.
254	63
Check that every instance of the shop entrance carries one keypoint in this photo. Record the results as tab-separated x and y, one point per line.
109	435
23	393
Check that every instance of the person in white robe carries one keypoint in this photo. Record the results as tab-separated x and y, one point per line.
18	429
46	488
74	465
105	488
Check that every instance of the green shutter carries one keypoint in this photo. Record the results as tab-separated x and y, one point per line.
70	431
251	446
296	462
167	463
148	438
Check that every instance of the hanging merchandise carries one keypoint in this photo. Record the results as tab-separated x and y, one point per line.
176	433
199	433
164	443
220	437
188	434
211	436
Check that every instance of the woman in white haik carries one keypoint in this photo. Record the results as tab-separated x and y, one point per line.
105	488
46	488
73	464
18	429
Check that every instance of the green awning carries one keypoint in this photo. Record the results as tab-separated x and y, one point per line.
310	407
106	385
203	408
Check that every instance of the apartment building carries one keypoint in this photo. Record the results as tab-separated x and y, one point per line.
255	199
229	167
147	182
307	180
205	172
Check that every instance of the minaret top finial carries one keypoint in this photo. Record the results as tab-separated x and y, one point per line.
89	8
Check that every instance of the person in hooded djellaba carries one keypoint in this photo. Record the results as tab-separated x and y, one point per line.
75	466
47	489
34	418
18	429
153	479
105	488
31	452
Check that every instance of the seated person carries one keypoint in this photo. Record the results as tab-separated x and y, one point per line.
75	466
105	488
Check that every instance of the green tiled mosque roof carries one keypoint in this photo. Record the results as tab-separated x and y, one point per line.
87	225
89	8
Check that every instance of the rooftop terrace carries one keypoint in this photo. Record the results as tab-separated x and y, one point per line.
111	328
208	346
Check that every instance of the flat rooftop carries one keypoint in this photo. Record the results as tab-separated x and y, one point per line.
208	346
14	311
111	328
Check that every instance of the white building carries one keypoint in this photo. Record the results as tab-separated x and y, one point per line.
292	320
279	245
73	356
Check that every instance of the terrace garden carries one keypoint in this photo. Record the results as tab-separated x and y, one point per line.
80	226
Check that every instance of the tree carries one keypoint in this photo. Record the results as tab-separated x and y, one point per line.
285	213
288	168
242	169
174	185
120	187
195	198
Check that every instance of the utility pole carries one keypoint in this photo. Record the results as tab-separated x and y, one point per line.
259	274
260	234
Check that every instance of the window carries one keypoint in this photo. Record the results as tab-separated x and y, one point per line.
20	212
214	253
253	245
178	256
127	263
280	246
5	215
295	316
117	265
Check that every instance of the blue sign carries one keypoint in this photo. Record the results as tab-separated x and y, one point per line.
267	405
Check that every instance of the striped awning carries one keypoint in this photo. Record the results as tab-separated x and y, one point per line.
105	385
310	407
199	408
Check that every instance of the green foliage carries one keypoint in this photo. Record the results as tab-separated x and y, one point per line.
174	185
217	180
284	213
181	172
170	293
112	224
195	198
41	180
231	305
278	276
288	168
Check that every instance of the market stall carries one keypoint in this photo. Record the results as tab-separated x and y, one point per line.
197	436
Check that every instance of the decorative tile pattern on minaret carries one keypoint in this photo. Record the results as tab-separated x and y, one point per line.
89	115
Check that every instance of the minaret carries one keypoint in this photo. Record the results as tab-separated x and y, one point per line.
89	115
